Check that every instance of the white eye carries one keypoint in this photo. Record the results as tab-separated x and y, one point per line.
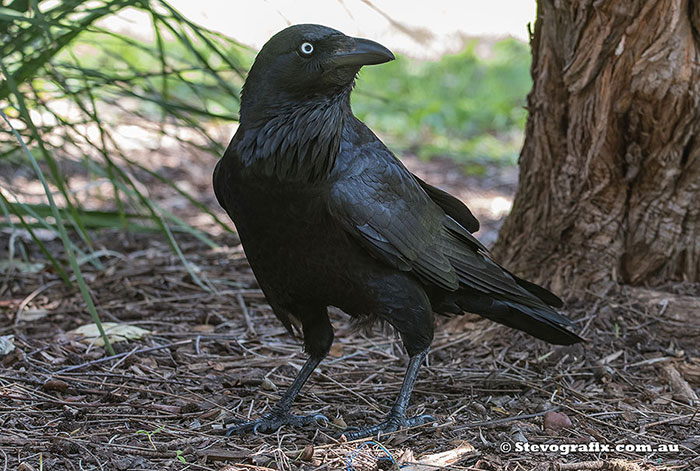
306	49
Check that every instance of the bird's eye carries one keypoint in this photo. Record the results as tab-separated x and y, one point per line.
306	49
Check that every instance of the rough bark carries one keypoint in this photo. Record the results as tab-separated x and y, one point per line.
610	170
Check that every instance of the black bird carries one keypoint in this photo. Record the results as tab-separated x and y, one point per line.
328	216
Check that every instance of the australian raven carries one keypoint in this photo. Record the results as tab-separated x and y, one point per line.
328	216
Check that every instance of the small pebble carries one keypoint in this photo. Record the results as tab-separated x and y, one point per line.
268	385
555	421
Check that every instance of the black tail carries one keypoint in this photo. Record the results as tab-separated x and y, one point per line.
544	294
541	322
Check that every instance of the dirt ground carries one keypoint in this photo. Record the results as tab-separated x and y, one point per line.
501	399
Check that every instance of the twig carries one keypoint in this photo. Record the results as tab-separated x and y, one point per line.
580	465
670	419
246	315
122	359
119	355
31	296
506	420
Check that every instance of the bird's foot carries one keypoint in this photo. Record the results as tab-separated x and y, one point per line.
391	424
274	420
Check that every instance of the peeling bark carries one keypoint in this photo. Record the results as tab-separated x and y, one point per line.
610	170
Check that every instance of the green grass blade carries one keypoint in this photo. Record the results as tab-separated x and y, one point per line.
39	243
53	165
64	238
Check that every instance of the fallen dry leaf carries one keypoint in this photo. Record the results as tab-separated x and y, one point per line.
7	344
55	385
307	454
439	460
336	350
115	333
680	387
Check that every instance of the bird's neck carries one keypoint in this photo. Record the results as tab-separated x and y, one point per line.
296	141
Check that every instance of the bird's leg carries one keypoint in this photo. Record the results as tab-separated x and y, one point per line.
280	414
396	418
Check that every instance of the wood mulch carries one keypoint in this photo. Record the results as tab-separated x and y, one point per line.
218	355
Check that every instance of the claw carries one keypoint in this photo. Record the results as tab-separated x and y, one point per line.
274	420
321	420
239	428
389	425
420	420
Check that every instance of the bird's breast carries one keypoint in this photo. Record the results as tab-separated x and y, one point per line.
293	245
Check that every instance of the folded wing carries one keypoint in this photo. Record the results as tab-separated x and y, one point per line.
395	216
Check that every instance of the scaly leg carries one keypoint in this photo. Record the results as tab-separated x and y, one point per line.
280	414
396	418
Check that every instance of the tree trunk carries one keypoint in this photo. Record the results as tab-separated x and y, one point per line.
610	170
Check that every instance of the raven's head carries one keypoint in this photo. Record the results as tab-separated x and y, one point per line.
304	62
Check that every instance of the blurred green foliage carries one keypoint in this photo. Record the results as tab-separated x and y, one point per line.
467	106
112	60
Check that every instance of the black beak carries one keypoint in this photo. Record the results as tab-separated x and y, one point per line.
365	52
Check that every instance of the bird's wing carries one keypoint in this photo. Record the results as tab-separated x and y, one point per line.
451	205
390	215
383	206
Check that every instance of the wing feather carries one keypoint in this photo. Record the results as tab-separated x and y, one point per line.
387	209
